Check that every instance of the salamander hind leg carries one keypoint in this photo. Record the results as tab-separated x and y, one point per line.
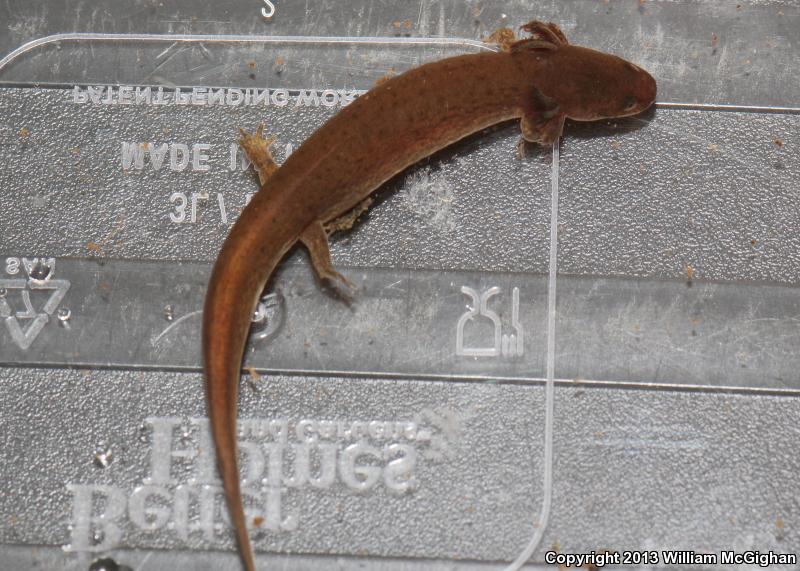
256	147
315	240
346	220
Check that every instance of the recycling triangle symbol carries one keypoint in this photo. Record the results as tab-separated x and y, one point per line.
36	320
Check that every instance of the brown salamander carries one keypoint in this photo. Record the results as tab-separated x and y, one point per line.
541	79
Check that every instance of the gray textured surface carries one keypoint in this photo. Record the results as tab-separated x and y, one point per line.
644	206
474	467
405	322
25	557
672	332
710	190
127	314
683	458
723	203
707	51
437	219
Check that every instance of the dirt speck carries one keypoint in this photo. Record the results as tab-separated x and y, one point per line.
502	37
689	271
390	73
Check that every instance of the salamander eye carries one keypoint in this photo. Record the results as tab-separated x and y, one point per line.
630	103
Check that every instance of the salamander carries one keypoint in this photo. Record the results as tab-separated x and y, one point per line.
541	80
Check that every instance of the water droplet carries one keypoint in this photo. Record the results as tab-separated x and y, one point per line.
260	316
105	564
64	314
103	459
268	316
169	312
40	271
3	292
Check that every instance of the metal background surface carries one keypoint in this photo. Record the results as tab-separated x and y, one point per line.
677	317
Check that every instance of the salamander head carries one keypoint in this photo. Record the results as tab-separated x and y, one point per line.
591	85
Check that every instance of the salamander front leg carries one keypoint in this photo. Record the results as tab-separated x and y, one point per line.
544	128
315	240
256	147
546	31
